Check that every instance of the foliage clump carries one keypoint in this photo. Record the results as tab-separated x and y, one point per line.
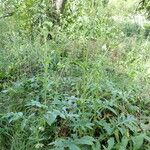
87	88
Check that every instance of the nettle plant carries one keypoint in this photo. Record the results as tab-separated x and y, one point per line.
69	122
66	94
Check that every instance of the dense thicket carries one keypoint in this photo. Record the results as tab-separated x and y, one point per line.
77	80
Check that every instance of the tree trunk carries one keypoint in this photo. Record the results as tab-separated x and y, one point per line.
59	5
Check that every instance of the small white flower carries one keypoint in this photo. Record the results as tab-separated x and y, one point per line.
41	128
39	145
104	47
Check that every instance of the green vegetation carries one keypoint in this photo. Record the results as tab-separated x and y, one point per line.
87	87
145	5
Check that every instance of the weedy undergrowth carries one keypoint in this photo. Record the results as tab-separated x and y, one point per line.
85	89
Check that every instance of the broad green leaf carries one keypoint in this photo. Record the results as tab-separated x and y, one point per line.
58	143
147	138
106	126
138	141
62	115
111	143
72	146
50	117
16	116
86	140
126	120
13	116
112	110
145	127
96	146
63	143
59	113
36	104
124	143
58	148
24	123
